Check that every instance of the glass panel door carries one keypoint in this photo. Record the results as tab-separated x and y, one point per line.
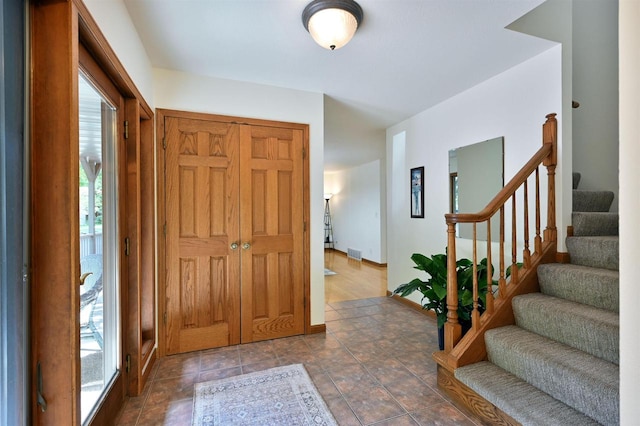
99	267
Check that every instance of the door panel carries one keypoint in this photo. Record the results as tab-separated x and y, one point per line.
271	186
234	209
203	280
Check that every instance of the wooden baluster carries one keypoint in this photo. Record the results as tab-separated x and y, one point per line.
475	314
452	329
549	135
514	242
526	255
489	307
550	233
502	283
538	241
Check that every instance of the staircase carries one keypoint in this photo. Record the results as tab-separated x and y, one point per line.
558	365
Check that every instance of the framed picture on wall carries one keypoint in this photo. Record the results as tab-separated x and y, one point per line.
417	192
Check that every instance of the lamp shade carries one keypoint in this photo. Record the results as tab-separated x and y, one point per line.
332	23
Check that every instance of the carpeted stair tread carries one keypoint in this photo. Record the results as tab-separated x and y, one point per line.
591	286
576	180
582	381
517	398
597	252
559	364
592	330
594	223
592	201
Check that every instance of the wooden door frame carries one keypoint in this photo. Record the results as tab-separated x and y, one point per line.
58	28
161	113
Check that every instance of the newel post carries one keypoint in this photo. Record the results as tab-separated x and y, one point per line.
550	137
452	328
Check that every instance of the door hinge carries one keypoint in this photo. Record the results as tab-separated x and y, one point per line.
165	318
164	143
304	153
164	229
126	129
128	363
304	227
41	401
126	246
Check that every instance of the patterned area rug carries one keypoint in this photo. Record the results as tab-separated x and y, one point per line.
278	396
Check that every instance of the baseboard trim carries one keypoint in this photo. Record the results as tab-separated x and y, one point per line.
367	261
411	304
468	400
562	257
317	329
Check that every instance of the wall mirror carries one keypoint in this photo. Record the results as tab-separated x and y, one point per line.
476	174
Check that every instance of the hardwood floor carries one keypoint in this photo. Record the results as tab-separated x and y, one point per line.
353	279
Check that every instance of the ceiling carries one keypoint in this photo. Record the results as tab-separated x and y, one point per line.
90	122
407	56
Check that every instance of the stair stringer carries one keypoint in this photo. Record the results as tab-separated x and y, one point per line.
471	348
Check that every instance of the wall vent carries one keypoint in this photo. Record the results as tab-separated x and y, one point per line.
354	254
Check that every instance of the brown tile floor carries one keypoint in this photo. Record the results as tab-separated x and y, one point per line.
373	366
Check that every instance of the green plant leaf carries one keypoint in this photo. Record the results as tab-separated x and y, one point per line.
440	291
465	298
406	289
434	290
420	260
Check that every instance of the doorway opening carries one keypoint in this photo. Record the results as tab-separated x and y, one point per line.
351	279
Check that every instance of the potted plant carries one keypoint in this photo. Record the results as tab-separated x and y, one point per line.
434	290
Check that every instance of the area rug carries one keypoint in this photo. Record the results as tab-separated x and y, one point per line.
278	396
329	272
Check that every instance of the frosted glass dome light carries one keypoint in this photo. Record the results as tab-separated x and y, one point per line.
332	23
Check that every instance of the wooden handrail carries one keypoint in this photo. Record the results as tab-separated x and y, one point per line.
503	196
494	312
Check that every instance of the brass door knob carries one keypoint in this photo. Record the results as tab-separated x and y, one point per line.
234	246
246	246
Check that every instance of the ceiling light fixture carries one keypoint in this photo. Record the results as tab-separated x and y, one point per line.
332	23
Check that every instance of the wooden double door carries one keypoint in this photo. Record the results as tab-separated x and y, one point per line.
234	231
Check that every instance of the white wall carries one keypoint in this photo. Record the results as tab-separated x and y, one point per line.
355	209
188	92
512	104
595	86
553	20
115	23
629	207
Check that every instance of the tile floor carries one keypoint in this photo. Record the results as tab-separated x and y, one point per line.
372	367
